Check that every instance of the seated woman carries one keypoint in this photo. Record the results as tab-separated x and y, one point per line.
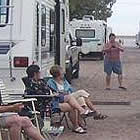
65	103
60	84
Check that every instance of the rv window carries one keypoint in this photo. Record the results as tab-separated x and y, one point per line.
44	47
52	31
43	25
4	12
37	33
63	21
86	33
37	23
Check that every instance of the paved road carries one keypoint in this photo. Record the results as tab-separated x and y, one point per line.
124	121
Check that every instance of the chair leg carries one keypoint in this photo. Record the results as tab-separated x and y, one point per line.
64	116
85	122
36	119
61	119
66	119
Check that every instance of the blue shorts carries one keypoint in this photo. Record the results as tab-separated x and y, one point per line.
112	66
61	98
55	103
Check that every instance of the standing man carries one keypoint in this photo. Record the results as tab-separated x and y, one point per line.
112	62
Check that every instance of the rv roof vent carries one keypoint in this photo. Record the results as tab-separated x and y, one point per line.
88	17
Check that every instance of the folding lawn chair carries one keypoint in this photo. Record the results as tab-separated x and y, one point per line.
6	100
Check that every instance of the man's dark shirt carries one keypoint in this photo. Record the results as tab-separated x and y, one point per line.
37	88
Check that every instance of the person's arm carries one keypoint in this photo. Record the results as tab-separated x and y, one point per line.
107	47
120	47
11	108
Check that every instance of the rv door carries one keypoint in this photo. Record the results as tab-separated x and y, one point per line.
62	37
60	33
37	44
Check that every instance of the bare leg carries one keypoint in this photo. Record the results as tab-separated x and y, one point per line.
90	104
30	129
14	125
73	115
73	102
65	107
80	119
33	133
120	78
15	132
108	80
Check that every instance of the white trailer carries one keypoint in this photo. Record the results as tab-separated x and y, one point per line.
31	32
108	32
138	39
93	35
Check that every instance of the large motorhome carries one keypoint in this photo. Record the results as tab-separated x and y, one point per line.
93	34
31	32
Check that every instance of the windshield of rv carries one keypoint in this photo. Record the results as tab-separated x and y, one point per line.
85	33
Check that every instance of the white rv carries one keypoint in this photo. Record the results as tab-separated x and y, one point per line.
93	35
108	32
31	32
138	39
68	56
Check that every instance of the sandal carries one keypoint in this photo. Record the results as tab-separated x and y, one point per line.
84	127
87	113
124	88
91	113
99	116
79	130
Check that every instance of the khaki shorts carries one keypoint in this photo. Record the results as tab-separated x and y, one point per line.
80	96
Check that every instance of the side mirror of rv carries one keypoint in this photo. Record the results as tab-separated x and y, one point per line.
78	42
73	43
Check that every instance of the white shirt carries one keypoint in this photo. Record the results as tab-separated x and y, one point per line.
60	86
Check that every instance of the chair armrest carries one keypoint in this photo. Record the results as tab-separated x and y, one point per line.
21	101
15	91
16	94
38	96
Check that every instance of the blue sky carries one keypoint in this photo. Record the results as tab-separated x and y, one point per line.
126	17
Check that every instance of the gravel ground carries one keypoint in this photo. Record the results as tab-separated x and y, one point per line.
124	121
92	78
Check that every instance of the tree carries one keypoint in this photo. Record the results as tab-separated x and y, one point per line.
100	9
